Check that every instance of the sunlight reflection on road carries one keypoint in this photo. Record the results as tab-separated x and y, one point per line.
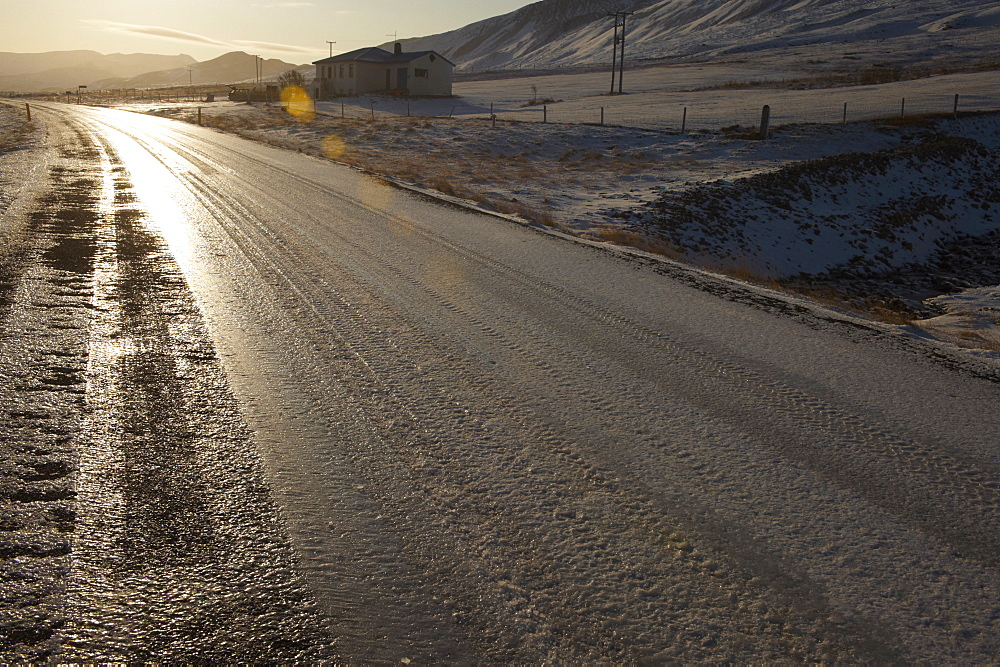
153	170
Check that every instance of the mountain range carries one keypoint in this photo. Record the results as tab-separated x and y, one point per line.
62	70
65	70
555	33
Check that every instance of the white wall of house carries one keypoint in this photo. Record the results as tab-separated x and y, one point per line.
371	78
426	75
337	79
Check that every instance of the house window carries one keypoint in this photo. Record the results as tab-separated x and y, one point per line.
421	73
341	71
350	70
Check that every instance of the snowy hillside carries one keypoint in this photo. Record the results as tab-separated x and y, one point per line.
869	212
580	32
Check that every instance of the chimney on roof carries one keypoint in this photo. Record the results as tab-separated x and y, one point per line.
398	49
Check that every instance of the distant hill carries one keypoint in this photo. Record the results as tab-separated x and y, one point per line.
64	70
556	33
232	67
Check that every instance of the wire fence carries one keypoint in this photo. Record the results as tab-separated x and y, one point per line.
679	112
822	107
707	111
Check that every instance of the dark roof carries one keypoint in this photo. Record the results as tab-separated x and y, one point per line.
374	54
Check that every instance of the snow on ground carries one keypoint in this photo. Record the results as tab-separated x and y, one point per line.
872	212
971	319
580	97
20	156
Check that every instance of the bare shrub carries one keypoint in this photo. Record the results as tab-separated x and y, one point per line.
535	99
291	77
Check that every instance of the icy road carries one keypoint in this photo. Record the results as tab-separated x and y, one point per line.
303	414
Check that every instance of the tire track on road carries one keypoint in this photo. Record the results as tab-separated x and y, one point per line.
177	550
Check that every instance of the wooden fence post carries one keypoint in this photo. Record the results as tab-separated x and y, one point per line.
845	113
684	120
545	113
902	109
765	121
956	105
602	115
27	107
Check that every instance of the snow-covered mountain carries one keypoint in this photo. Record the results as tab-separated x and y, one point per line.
581	32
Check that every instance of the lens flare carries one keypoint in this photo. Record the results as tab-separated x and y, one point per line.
376	194
298	103
334	147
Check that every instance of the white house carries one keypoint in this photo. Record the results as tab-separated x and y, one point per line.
375	70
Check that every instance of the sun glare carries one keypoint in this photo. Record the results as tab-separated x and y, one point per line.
298	103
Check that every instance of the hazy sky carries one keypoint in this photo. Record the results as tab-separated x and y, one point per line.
292	30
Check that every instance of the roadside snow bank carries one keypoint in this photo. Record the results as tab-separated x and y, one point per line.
972	318
863	213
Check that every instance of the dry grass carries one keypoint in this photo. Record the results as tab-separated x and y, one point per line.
879	310
229	123
519	208
884	311
639	241
974	339
743	270
978	340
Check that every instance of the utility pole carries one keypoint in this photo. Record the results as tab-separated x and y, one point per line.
614	53
331	47
621	70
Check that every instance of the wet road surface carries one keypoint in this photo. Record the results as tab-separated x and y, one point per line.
260	406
